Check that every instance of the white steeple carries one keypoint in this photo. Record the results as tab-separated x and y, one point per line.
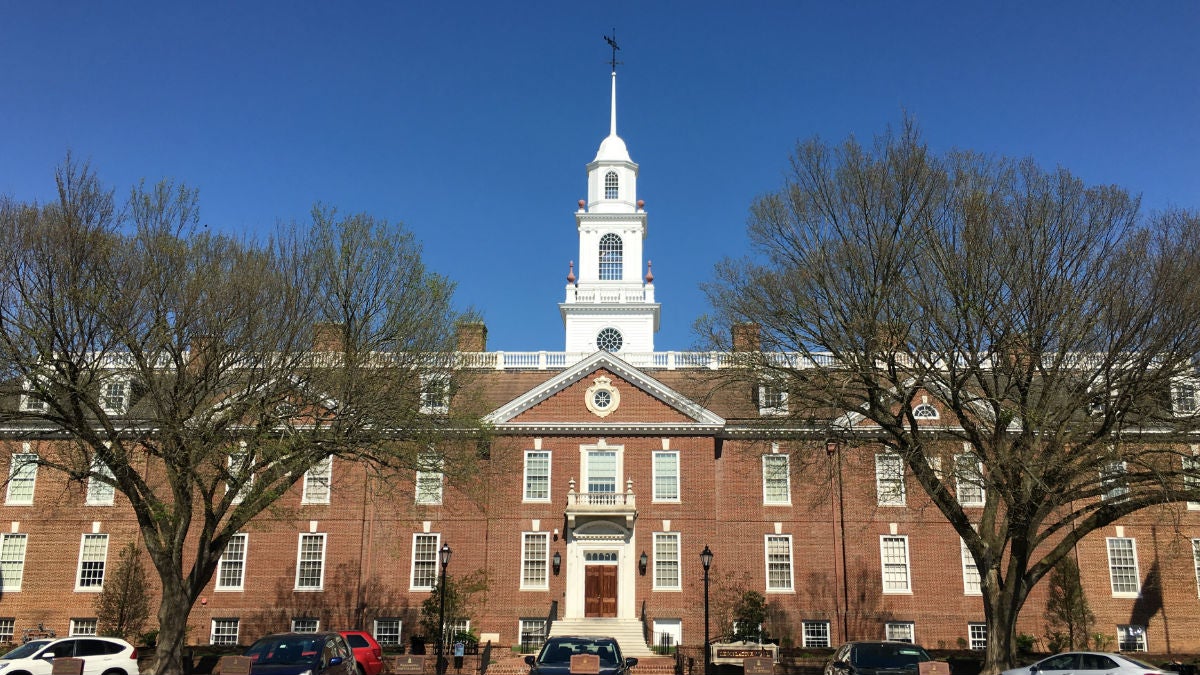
611	304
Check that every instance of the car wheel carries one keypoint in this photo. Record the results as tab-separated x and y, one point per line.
112	672
358	669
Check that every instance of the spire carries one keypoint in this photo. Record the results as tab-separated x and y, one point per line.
612	125
613	148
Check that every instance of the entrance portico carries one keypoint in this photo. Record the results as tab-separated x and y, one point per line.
601	569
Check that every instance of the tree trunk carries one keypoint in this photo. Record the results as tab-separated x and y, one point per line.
172	629
1001	609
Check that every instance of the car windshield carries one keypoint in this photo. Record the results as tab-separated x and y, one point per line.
25	650
885	655
560	650
285	650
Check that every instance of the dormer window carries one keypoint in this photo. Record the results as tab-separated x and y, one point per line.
114	395
1183	397
611	185
772	400
29	400
435	394
925	411
610	257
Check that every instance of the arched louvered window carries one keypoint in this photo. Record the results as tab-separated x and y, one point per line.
610	257
611	185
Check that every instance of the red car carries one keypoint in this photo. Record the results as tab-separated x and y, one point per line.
367	652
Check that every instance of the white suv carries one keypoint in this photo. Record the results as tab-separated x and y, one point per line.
100	655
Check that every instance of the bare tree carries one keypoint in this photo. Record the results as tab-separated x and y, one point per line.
183	366
1046	319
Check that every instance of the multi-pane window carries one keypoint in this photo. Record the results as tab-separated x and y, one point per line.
429	478
968	479
231	568
100	489
601	471
894	553
779	562
611	185
82	627
666	476
972	584
12	561
22	476
457	627
1112	480
387	631
925	411
1191	478
30	402
1183	397
114	395
1123	566
241	475
611	256
424	562
1131	638
816	633
310	562
535	551
889	479
93	554
7	628
666	561
900	631
317	481
1196	562
224	632
772	400
537	475
776	479
977	635
435	394
306	624
533	634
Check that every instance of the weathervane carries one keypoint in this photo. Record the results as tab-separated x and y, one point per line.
612	42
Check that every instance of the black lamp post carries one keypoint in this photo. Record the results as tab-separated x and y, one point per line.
706	557
444	555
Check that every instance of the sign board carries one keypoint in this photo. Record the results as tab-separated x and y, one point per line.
585	664
933	668
407	664
758	665
67	666
233	665
736	653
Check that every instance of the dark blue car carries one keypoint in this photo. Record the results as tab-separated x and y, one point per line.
301	654
555	657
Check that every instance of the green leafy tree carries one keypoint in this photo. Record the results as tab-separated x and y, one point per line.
750	617
1069	619
123	606
460	593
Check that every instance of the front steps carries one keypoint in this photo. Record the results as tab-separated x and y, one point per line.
628	633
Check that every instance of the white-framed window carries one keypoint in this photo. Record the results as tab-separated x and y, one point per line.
925	411
1131	638
666	476
241	474
611	185
8	626
1183	397
82	627
317	480
972	582
777	479
310	562
29	400
435	393
424	562
1123	567
1191	476
816	633
666	561
22	477
387	631
537	475
611	256
668	634
429	478
900	631
535	557
114	395
893	551
889	479
977	635
772	400
457	627
305	624
779	563
12	561
93	555
968	479
223	632
231	568
1196	562
1112	480
100	490
603	472
533	634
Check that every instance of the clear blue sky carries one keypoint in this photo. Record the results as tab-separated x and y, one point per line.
471	122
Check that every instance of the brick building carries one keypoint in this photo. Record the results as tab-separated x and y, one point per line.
611	468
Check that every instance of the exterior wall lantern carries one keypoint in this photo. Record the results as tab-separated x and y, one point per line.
642	562
557	562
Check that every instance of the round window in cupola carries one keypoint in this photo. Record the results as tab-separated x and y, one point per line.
609	340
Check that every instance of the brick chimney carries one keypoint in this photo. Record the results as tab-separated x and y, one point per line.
327	337
472	336
745	337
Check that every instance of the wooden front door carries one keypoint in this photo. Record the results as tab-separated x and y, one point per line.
601	591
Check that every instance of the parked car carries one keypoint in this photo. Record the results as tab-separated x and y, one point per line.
872	658
555	655
100	655
1089	662
367	652
300	653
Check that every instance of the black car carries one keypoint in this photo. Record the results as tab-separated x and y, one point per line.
870	658
555	657
297	653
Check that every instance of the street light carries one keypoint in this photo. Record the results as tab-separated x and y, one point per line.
706	557
444	555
